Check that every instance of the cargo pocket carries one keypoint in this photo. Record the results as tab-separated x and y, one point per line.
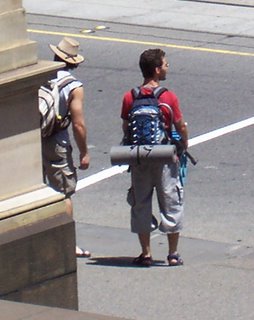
130	197
66	169
179	190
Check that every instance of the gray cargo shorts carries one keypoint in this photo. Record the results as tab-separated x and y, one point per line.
58	168
165	180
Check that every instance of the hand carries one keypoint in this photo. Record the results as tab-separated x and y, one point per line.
84	161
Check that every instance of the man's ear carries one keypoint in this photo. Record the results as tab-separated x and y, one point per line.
157	70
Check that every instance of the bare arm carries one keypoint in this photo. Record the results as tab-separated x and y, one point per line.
181	128
78	125
125	126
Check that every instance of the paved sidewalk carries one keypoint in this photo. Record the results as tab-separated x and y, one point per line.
216	282
178	14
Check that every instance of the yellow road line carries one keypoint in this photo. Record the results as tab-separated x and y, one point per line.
147	43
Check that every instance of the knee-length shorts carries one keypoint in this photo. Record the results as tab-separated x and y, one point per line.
164	178
58	168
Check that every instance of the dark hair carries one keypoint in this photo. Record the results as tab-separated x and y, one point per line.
149	60
69	66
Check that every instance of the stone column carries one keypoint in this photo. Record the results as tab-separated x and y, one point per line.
37	237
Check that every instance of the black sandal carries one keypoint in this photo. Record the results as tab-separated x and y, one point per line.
174	260
143	261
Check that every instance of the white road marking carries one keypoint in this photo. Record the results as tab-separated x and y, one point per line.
110	172
220	132
99	176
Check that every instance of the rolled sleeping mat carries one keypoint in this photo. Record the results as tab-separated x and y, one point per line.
133	155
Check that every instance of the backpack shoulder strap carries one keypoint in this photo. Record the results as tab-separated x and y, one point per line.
135	92
171	114
65	81
158	91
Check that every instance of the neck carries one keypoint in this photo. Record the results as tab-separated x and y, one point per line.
151	83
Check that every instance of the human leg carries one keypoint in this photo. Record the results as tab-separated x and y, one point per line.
61	175
140	199
144	239
145	258
173	257
170	198
69	207
80	253
173	242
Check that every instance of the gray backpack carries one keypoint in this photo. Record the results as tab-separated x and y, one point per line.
50	119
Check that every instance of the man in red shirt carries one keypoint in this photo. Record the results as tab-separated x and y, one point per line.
163	177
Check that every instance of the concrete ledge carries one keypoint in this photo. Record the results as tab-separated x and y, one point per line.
37	73
39	266
16	50
53	293
8	5
29	201
18	56
14	24
21	311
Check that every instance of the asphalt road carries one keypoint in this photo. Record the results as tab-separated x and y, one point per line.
212	75
215	90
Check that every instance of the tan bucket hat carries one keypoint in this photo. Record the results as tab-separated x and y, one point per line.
67	50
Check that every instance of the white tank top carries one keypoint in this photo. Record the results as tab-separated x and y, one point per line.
62	137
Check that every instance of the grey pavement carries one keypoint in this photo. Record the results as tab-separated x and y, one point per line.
227	16
217	280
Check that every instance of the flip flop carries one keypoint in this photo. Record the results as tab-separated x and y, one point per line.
81	253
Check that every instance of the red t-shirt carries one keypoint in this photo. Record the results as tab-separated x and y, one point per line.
167	97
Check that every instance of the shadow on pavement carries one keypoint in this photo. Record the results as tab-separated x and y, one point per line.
125	262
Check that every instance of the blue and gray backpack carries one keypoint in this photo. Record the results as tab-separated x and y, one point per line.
146	125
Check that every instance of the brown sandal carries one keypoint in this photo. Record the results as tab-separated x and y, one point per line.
143	261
